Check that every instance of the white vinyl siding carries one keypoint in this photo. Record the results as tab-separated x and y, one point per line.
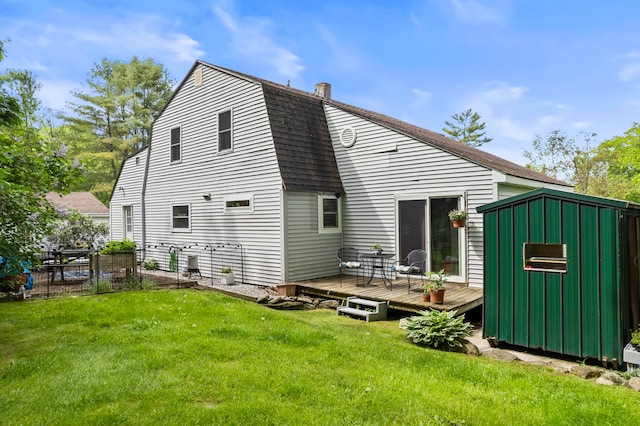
128	192
225	131
384	166
176	143
251	168
309	254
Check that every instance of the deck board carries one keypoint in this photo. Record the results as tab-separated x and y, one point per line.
457	297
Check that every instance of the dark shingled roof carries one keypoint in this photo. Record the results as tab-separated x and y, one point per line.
304	148
302	141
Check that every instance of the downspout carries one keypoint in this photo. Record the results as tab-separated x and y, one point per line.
142	198
284	274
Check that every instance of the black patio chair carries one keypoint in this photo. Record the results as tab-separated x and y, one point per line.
414	263
349	258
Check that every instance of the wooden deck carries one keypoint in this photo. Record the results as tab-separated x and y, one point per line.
457	296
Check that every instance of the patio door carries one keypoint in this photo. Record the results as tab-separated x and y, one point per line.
424	224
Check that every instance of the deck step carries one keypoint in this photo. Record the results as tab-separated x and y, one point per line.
354	306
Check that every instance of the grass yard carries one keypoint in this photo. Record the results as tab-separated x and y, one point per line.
187	357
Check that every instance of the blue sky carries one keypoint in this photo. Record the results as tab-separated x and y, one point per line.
526	66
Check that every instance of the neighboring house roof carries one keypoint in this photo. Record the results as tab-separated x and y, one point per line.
303	143
83	202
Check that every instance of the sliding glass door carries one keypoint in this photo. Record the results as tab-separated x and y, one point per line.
424	224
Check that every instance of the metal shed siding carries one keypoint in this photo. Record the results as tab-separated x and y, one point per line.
251	168
581	312
309	254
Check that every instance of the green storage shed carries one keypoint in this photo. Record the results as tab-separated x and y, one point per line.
561	273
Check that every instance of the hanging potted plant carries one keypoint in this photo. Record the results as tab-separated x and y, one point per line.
436	286
458	218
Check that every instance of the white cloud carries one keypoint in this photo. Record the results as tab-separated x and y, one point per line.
55	94
417	23
477	12
420	97
341	57
252	38
581	124
548	120
630	72
630	68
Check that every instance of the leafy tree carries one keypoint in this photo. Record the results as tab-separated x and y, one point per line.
31	165
467	128
622	154
112	118
575	160
77	230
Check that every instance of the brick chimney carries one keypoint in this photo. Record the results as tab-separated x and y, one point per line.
323	90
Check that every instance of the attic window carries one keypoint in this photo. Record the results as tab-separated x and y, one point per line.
348	137
197	77
545	257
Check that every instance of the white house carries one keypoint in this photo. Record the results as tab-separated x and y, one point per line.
292	176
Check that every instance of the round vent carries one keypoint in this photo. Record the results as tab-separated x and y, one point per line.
348	137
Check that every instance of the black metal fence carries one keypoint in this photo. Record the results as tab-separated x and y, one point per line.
65	272
196	259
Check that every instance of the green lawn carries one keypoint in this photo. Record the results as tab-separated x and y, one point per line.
187	357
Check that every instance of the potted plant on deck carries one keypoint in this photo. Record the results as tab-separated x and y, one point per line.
426	294
458	218
376	248
226	275
436	286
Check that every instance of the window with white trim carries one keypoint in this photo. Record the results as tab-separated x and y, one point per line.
329	214
225	133
175	144
180	217
238	203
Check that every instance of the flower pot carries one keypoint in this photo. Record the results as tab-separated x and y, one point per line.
459	223
226	278
437	296
425	297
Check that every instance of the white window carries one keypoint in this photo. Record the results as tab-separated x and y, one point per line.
175	144
238	203
329	214
127	216
180	217
225	133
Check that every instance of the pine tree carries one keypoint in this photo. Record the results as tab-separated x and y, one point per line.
467	128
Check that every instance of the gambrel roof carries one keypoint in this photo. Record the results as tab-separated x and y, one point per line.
305	151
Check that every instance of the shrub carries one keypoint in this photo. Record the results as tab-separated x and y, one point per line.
635	338
102	286
123	246
150	265
147	284
435	329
